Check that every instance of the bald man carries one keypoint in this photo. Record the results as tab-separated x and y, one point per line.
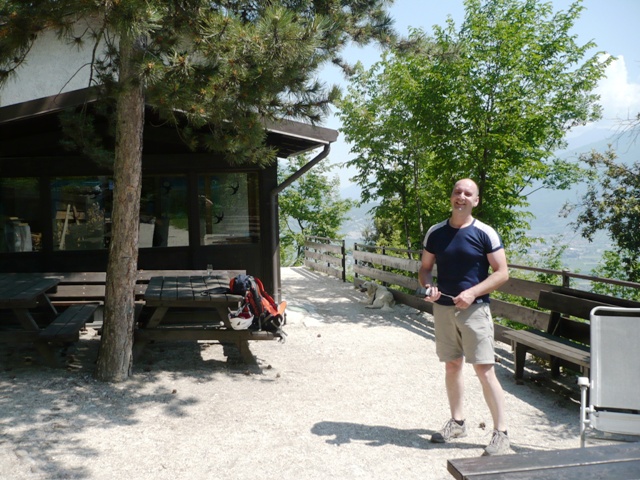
463	248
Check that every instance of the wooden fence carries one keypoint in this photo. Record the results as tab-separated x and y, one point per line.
326	255
397	269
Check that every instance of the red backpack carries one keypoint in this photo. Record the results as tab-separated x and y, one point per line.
267	314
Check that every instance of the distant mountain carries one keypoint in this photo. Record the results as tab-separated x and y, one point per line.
358	219
546	204
350	190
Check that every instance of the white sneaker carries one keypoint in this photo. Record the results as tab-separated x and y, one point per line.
451	429
499	444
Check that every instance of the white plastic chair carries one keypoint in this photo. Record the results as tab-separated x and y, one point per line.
614	383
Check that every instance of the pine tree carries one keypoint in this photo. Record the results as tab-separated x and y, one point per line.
228	65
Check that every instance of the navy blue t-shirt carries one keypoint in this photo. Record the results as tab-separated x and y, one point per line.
461	256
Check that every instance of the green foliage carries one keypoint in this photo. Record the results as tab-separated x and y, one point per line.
550	259
389	155
491	101
612	204
310	206
214	70
616	264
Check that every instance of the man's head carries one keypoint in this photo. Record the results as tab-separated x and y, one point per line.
465	196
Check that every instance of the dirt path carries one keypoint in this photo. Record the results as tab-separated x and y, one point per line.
352	394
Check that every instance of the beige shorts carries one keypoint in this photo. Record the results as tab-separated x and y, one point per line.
467	333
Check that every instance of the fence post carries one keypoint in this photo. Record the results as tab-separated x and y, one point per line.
344	262
384	267
566	278
355	262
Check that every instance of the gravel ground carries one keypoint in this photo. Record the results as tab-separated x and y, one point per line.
354	393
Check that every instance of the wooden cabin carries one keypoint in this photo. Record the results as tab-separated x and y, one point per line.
196	209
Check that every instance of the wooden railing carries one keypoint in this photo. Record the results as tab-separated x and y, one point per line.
397	269
326	255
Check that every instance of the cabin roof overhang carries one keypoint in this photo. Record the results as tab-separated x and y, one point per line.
287	137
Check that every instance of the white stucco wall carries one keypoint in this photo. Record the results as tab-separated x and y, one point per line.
52	66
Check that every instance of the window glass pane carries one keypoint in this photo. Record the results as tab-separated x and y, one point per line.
163	212
228	208
81	212
20	227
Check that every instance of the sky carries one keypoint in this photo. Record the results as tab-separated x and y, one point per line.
611	24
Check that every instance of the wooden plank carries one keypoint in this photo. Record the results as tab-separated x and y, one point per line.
203	290
145	275
80	292
596	297
215	281
23	291
239	338
567	304
184	287
574	330
524	288
154	289
387	277
552	346
407	264
524	315
549	464
323	257
324	247
324	269
538	336
67	325
79	278
412	301
169	289
617	469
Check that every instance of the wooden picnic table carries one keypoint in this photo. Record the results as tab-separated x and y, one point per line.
24	295
592	463
192	308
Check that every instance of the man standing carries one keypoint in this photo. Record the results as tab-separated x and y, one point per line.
463	249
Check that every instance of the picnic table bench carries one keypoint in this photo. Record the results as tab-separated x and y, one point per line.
34	319
565	341
67	325
194	307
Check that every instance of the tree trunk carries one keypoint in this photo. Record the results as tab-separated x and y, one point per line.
115	359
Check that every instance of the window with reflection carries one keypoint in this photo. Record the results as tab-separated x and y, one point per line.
81	207
20	223
163	212
228	208
81	212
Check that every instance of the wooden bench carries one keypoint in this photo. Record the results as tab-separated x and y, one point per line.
556	348
66	326
565	341
607	461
